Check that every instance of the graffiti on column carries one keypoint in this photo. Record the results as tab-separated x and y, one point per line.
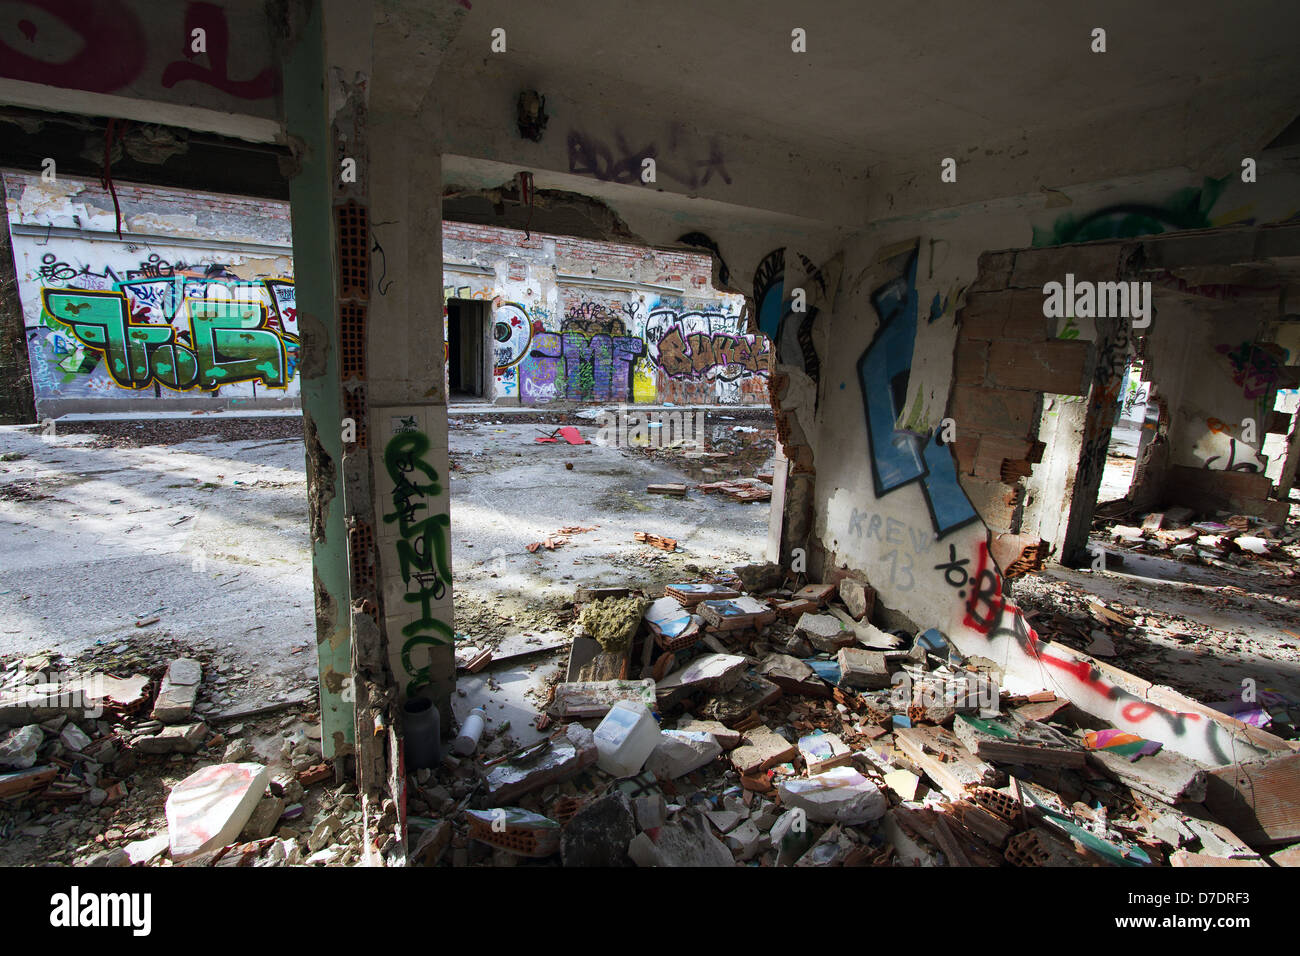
792	331
422	548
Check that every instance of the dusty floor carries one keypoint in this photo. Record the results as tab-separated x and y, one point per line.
199	528
127	544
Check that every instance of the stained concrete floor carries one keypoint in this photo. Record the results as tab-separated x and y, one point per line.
209	536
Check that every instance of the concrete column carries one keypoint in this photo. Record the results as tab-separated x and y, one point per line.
311	195
408	413
1111	351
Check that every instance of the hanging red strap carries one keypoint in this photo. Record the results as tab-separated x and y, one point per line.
111	132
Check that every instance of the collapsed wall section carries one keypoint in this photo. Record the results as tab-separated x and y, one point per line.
937	371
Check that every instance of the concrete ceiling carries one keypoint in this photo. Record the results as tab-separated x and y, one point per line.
1012	89
892	78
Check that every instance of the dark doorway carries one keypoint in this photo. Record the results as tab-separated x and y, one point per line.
468	376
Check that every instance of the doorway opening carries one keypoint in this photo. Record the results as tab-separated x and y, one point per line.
468	351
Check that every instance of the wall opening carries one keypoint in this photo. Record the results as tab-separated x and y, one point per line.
468	350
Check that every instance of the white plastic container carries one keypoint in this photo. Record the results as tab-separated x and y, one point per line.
625	738
470	732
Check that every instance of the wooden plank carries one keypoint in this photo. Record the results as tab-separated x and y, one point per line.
24	781
937	752
1031	745
1259	801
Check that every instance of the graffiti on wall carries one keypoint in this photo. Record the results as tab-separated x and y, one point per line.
918	562
1256	367
613	352
792	331
113	49
899	456
163	324
422	547
1221	451
621	162
1186	209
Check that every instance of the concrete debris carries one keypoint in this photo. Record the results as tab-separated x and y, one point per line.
760	748
862	669
556	759
584	699
209	808
839	795
859	598
179	691
177	739
74	738
263	820
761	578
710	673
18	747
727	738
689	843
600	833
681	751
825	632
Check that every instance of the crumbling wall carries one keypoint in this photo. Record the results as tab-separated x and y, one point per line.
17	404
195	304
933	371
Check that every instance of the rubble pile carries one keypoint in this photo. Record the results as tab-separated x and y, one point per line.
148	769
784	727
1224	540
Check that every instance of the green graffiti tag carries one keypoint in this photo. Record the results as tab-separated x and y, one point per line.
423	552
229	342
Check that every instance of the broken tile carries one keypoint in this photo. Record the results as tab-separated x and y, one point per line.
761	748
179	690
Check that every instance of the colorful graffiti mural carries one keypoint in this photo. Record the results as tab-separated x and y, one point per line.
614	352
181	328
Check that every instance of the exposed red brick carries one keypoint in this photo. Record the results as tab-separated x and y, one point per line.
1057	366
983	316
994	271
971	363
981	410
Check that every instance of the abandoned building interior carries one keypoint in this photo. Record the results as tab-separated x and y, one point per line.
850	438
